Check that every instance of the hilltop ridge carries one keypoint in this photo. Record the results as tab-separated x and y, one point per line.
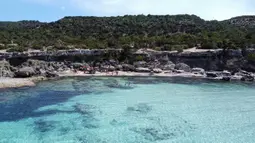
160	32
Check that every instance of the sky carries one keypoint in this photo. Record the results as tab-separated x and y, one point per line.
52	10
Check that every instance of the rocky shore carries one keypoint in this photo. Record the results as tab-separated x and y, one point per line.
17	71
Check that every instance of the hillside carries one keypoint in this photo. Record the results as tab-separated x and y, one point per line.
159	32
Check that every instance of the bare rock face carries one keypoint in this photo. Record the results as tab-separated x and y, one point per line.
118	67
182	66
108	68
15	82
51	74
25	72
140	64
157	70
244	75
6	70
142	70
169	66
212	74
43	65
247	78
128	67
198	71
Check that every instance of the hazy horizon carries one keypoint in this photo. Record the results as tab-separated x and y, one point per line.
113	16
52	10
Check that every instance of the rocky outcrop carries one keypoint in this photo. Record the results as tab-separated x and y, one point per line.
119	67
25	72
156	62
6	70
140	64
15	82
143	70
183	66
157	70
168	65
128	67
46	66
212	74
217	60
51	75
247	78
108	68
244	76
198	71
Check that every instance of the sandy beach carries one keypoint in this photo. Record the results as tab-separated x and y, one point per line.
21	82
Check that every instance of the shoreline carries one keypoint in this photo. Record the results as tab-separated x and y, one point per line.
131	74
6	83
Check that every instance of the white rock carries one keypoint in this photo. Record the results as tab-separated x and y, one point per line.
157	70
142	70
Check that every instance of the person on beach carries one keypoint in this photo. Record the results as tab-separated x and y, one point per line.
84	69
117	73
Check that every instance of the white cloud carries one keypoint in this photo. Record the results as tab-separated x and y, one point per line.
213	9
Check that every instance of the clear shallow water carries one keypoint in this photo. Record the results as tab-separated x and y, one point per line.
97	110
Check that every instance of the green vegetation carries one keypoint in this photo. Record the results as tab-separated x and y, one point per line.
139	58
159	32
251	57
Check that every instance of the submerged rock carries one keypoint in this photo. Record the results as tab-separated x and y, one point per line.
141	108
85	109
115	84
44	126
153	134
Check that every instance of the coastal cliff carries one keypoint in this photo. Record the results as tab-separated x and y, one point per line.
138	43
214	59
211	63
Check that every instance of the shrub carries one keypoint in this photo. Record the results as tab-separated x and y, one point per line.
180	50
209	45
16	49
158	49
139	58
251	56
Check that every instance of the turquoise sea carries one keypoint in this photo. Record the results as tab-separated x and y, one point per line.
128	110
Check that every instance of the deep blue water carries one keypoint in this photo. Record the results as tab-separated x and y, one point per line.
108	110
